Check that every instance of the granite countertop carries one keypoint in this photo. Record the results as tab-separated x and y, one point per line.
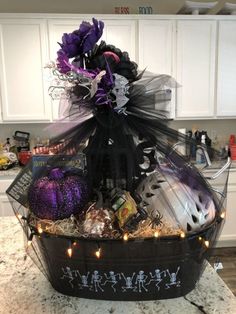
11	172
24	289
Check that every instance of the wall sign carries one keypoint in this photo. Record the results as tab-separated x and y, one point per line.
122	10
145	10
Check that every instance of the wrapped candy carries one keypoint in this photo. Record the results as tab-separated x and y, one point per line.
126	210
124	207
98	221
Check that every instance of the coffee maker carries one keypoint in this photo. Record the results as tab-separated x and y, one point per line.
22	141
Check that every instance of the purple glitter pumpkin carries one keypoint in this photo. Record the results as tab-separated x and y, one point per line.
58	195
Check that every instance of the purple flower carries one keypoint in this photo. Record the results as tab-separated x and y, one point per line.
70	44
82	40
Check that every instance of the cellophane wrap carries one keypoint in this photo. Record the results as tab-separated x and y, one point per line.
114	166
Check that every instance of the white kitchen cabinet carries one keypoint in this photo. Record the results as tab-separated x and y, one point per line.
122	34
226	83
23	54
195	68
228	235
0	105
5	205
194	50
157	55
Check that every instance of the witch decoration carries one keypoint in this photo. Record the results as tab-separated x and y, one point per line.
114	210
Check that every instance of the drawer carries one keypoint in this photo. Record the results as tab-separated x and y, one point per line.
4	184
232	176
5	207
220	180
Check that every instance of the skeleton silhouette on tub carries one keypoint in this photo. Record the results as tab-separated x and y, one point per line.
173	279
112	278
96	280
84	281
69	274
141	280
157	277
128	283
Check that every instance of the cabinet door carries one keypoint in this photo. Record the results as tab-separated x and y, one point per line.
228	235
156	44
5	206
195	68
156	55
122	34
0	104
56	30
226	83
23	55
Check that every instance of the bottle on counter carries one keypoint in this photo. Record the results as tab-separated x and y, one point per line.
200	158
189	145
196	139
232	147
203	141
7	145
232	139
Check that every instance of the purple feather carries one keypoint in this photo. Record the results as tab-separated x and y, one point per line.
62	61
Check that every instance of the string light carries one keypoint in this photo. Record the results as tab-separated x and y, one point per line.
98	253
30	239
156	234
125	237
222	215
182	235
40	230
74	243
19	216
69	252
207	243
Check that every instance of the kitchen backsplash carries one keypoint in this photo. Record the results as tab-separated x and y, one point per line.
218	130
38	131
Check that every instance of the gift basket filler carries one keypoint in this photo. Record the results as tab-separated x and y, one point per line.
118	213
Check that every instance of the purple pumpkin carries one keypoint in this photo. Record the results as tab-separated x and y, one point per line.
58	195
